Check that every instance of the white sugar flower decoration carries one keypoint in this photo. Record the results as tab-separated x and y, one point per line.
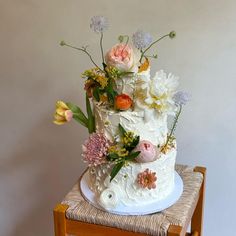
181	98
99	24
110	197
141	39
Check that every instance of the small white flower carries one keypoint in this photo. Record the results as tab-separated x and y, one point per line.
110	198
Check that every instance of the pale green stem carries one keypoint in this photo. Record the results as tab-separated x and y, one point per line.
142	55
126	43
174	126
101	38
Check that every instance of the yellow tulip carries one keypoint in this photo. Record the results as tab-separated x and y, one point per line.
63	113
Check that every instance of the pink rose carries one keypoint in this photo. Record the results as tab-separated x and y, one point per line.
122	57
148	151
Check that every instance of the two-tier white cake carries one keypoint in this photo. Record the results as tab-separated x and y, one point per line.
130	151
150	126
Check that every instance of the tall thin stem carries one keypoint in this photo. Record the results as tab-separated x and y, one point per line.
142	55
101	38
85	51
174	126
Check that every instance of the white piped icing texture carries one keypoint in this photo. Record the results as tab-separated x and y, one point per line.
153	128
125	190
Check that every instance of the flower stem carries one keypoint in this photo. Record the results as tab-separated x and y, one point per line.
85	51
101	38
142	55
173	127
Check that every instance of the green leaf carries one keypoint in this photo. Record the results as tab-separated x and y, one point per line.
112	156
116	169
78	115
132	156
78	119
111	93
122	130
96	94
91	119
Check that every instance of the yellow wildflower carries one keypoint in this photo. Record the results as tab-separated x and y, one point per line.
103	98
101	80
113	72
96	75
128	138
122	152
63	113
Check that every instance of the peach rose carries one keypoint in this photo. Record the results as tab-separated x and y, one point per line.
122	56
123	102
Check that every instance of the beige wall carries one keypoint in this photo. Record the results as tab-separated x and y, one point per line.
40	162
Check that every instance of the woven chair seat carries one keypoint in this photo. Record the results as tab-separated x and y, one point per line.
154	224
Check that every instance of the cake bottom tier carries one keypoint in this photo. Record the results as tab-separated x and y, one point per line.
124	188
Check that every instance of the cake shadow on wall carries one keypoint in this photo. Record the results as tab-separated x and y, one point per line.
36	176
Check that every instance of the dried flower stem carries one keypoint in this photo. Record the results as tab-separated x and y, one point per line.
143	53
83	49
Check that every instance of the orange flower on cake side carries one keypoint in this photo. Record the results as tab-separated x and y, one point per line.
123	102
147	179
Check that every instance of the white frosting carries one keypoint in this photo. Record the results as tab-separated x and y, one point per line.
148	125
125	190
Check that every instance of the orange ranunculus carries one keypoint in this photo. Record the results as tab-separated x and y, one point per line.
123	102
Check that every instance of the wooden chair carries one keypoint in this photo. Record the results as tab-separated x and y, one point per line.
66	226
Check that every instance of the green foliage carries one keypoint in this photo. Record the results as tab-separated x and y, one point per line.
78	115
122	130
132	156
128	146
111	93
116	169
96	94
91	118
112	156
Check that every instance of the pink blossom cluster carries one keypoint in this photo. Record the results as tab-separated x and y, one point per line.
95	149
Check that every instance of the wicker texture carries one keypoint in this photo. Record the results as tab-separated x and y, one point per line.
154	224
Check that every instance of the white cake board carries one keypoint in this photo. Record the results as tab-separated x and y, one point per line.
135	210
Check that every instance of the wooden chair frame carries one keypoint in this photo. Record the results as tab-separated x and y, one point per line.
64	226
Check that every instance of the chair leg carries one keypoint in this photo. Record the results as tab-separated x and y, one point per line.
197	219
60	219
175	230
